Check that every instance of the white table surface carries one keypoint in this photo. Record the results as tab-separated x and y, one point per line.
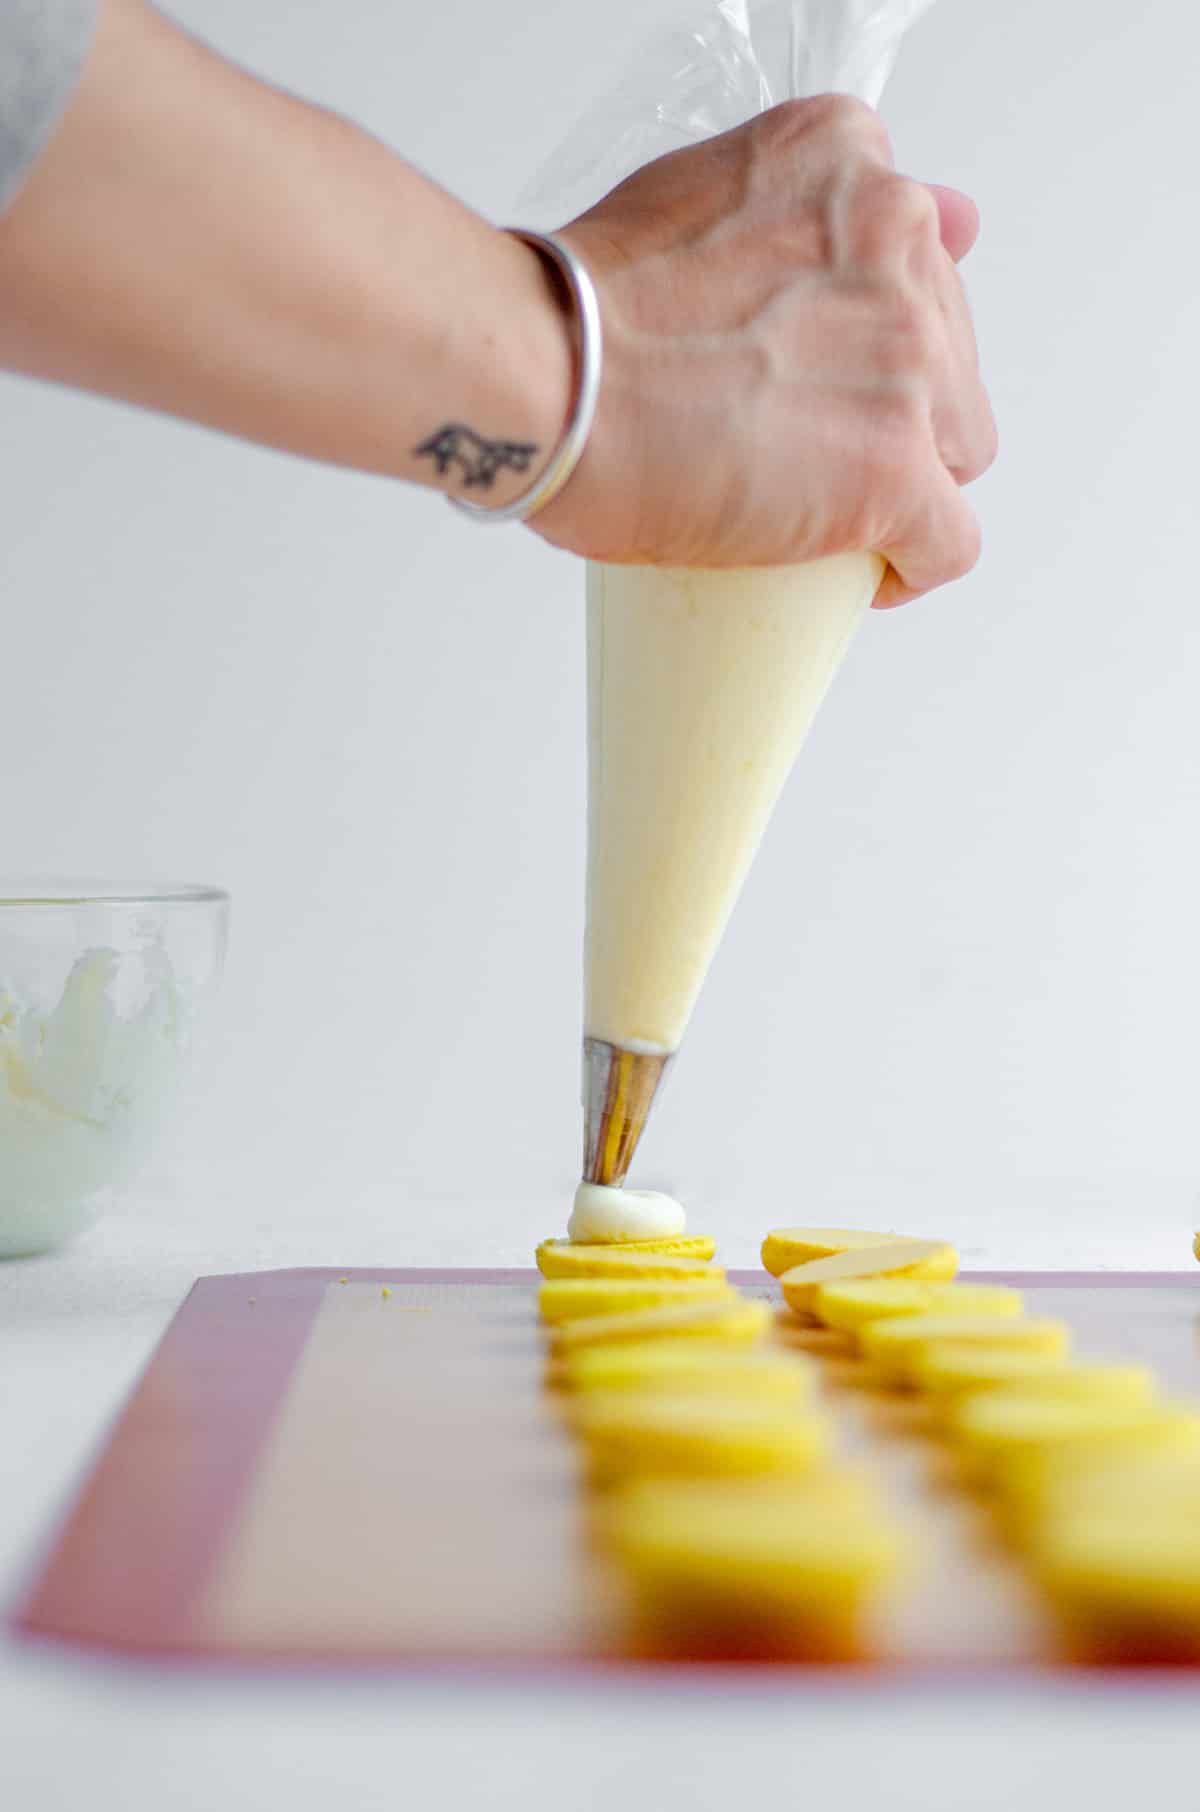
75	1331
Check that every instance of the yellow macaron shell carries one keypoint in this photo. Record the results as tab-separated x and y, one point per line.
1131	1581
950	1371
700	1365
1019	1443
784	1247
757	1566
923	1259
698	1246
735	1319
668	1432
571	1298
1127	1480
897	1344
849	1306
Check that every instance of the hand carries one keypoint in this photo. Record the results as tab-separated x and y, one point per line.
790	366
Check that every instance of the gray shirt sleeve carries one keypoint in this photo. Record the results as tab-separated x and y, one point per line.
43	48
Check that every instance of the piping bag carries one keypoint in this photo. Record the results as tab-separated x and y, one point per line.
702	685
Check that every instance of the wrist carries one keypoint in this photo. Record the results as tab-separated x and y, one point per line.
512	379
596	510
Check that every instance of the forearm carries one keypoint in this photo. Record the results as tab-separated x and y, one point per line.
196	242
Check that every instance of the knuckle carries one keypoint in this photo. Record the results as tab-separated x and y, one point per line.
847	117
789	115
840	117
912	206
780	128
892	214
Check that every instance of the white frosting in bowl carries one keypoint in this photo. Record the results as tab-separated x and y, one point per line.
83	1090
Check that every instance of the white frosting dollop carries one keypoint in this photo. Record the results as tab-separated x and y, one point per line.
603	1214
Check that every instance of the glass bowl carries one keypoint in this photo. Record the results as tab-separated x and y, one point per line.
102	986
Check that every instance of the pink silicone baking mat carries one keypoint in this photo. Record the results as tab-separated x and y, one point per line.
369	1467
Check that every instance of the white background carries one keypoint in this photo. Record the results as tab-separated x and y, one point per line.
959	995
960	990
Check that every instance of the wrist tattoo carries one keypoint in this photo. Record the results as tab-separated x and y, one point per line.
479	459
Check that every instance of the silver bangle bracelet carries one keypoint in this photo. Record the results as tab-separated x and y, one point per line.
588	361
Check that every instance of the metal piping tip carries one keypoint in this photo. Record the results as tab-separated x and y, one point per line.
619	1087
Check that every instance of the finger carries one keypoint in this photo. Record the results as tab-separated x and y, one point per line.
965	430
968	447
958	219
961	410
963	424
939	543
